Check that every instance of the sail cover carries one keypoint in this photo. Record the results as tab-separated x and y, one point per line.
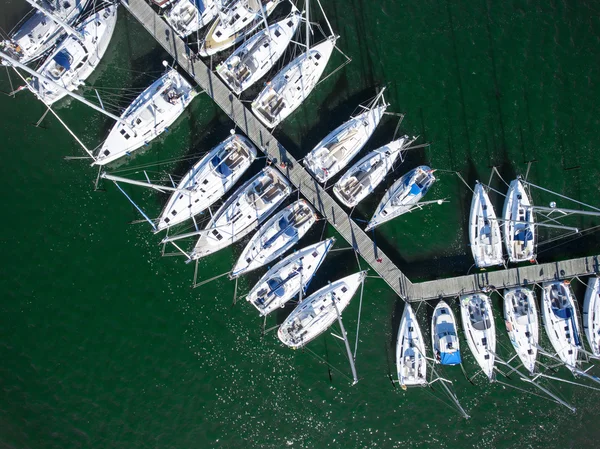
200	5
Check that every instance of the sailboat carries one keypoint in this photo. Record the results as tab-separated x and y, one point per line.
76	57
39	33
147	117
294	83
341	145
284	281
519	224
480	330
208	180
276	237
364	176
411	363
403	195
444	335
252	60
520	315
559	314
249	206
591	314
188	16
234	23
484	231
315	314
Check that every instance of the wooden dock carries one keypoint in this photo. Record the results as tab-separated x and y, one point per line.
324	203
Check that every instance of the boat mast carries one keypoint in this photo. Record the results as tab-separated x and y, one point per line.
350	358
68	28
307	28
160	188
32	72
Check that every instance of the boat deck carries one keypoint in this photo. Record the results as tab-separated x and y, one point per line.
325	204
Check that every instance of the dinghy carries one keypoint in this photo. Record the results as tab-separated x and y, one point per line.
315	314
208	180
188	16
591	314
282	282
147	117
560	321
411	363
340	146
520	315
249	206
290	87
403	195
444	335
236	22
518	225
252	60
76	57
480	330
484	231
40	33
364	176
275	237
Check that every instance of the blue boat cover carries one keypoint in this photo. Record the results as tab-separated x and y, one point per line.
200	5
222	169
63	59
415	189
452	358
524	235
565	313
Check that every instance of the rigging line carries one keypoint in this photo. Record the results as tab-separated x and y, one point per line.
500	176
12	89
157	163
211	279
465	182
562	196
362	286
525	391
327	363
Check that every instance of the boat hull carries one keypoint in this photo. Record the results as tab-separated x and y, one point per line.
519	224
484	231
411	364
480	330
591	314
521	318
444	335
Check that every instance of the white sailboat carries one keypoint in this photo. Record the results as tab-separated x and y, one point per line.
208	180
147	117
276	237
249	206
444	335
480	330
403	195
559	315
519	224
520	315
340	146
411	364
315	314
40	33
364	176
76	57
591	314
252	60
188	16
282	282
234	23
484	231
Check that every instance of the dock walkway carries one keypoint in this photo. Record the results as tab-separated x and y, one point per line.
323	202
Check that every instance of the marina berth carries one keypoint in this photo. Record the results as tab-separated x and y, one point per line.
40	33
284	281
591	314
147	117
519	224
559	315
208	180
234	23
76	57
188	16
279	234
364	176
411	364
521	318
340	146
249	206
315	314
252	60
484	231
480	330
403	195
292	85
444	335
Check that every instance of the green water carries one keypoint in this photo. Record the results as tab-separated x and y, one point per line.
104	344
